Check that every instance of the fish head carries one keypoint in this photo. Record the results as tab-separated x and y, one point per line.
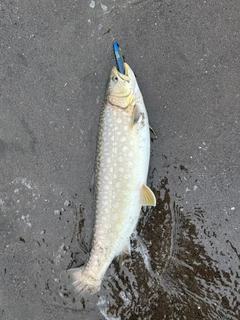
121	87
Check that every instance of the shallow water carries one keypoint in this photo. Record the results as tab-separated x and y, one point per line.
177	270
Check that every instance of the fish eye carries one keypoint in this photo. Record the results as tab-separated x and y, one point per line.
115	79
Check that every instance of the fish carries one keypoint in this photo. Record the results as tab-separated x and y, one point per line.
121	170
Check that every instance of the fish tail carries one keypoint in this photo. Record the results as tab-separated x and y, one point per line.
81	281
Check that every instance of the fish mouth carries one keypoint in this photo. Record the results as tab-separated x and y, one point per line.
124	76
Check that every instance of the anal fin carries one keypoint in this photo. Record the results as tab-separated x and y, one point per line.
147	196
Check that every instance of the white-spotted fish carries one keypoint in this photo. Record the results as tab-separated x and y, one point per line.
121	170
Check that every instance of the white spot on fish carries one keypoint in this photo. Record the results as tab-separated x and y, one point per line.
115	217
116	205
120	169
124	149
92	4
108	160
119	120
123	139
125	127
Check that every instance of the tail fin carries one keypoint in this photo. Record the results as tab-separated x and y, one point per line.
81	281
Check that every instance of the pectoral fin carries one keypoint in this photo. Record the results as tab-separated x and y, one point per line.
136	115
148	197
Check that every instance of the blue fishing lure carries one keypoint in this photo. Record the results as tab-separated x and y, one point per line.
118	57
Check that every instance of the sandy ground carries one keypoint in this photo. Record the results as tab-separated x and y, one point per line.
55	61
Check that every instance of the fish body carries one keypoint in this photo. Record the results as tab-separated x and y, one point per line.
121	170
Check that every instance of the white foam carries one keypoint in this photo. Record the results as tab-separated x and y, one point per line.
92	4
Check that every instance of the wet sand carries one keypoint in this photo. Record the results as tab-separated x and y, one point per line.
55	60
